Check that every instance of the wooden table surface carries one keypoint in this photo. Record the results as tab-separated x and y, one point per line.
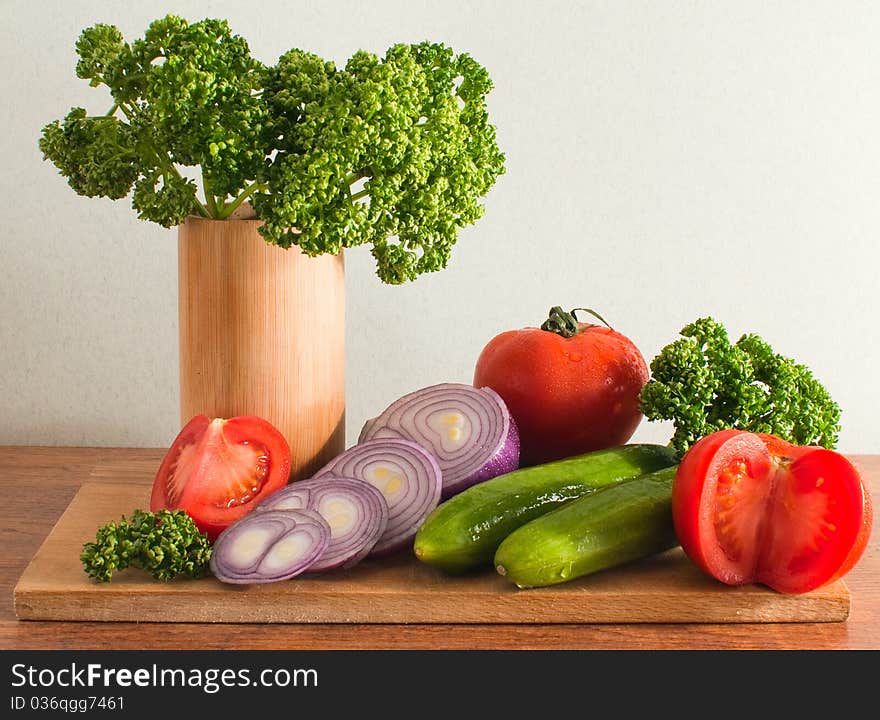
39	482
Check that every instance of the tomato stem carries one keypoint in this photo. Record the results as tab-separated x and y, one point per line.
566	323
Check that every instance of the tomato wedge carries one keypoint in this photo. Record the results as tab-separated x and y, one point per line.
754	508
218	470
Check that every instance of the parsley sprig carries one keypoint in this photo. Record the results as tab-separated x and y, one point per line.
704	383
166	544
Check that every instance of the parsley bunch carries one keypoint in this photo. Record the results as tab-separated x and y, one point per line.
704	383
183	95
394	152
166	544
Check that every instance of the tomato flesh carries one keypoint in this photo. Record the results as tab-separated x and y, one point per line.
740	496
217	470
749	508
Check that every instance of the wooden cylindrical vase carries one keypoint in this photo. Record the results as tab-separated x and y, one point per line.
262	332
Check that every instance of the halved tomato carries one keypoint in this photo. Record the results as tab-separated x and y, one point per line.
753	508
218	470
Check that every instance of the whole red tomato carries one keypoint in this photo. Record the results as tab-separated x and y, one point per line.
753	508
571	387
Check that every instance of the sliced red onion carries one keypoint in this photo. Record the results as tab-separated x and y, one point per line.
469	430
355	511
405	474
269	546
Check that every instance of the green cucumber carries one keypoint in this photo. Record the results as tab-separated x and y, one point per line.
464	532
601	530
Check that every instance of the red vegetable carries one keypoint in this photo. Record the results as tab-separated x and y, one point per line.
218	470
355	511
269	546
753	508
571	387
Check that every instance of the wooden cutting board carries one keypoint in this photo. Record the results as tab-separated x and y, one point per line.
665	588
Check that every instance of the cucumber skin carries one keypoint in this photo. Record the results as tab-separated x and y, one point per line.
607	528
465	531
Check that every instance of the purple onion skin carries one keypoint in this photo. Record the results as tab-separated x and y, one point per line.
306	489
396	546
385	547
294	518
381	522
504	461
270	501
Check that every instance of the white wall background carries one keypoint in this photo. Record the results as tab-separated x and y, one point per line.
666	160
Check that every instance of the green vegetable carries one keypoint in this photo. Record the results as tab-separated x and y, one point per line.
612	526
413	126
464	532
183	95
394	152
166	544
703	383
